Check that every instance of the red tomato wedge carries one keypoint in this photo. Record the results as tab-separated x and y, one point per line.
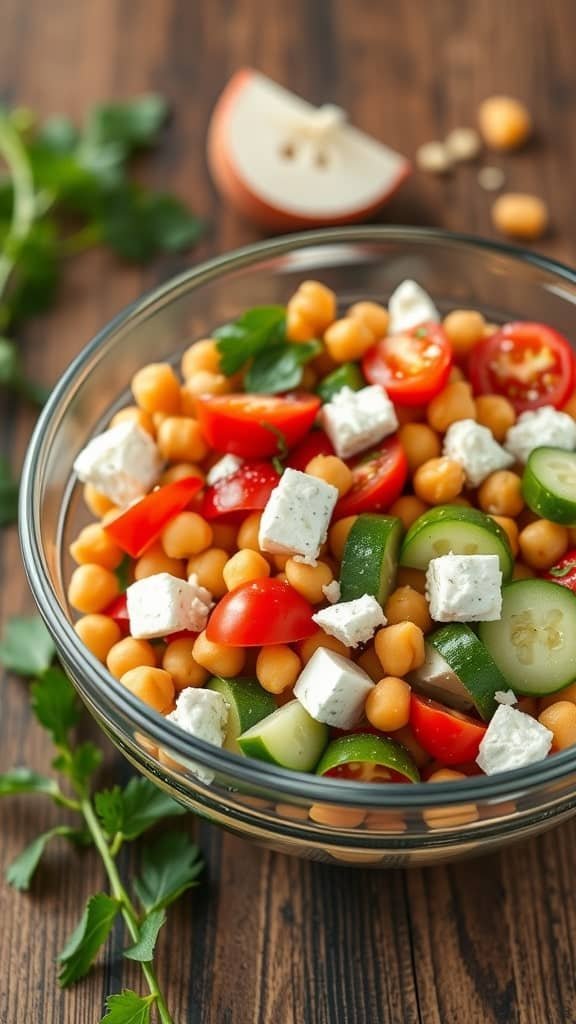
139	526
118	610
261	612
377	481
246	490
564	572
447	735
413	366
317	443
529	363
255	426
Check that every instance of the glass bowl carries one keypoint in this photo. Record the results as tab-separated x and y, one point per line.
324	819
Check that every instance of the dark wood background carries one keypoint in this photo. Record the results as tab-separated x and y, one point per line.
269	939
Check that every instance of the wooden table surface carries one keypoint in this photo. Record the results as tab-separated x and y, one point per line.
269	939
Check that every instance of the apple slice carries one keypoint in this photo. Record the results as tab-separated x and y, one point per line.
287	164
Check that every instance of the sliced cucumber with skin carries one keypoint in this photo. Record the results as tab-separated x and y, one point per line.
549	484
473	673
248	704
368	753
289	737
346	376
457	530
534	642
370	559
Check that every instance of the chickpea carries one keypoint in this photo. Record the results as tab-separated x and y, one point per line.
336	817
414	578
180	471
202	382
347	339
373	315
420	444
280	561
98	504
400	648
511	530
309	646
129	653
408	508
292	811
218	659
248	532
520	215
449	817
542	543
455	375
568	693
522	572
323	363
407	605
454	402
180	439
94	545
179	661
505	122
208	566
202	355
154	686
338	535
464	328
501	494
244	566
156	388
92	588
185	535
155	560
298	328
308	580
496	413
370	662
560	718
385	821
133	414
316	303
438	481
277	668
388	704
332	470
224	536
98	633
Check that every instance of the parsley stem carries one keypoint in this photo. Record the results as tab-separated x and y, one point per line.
23	207
127	907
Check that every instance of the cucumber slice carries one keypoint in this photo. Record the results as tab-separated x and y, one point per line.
371	558
471	664
289	737
248	704
533	644
549	484
455	529
365	754
346	376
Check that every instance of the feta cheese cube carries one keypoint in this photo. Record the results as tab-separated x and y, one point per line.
296	517
226	466
123	463
512	740
204	715
410	306
163	604
474	447
544	426
331	591
333	689
352	622
506	697
356	420
464	588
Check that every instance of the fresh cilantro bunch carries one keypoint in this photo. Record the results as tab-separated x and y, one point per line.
169	865
257	340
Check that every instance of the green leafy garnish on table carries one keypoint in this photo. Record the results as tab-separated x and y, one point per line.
170	864
257	342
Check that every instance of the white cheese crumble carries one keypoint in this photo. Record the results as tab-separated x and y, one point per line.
162	604
123	463
512	740
226	466
204	715
410	306
474	448
541	427
464	588
331	591
506	697
357	420
296	517
333	689
352	622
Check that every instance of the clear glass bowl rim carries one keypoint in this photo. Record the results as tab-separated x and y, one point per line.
255	774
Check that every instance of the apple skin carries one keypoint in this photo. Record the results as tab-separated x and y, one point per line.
243	199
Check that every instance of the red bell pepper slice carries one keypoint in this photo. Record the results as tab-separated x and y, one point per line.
138	527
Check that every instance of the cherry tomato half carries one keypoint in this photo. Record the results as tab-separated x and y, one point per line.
135	529
260	612
412	367
255	426
377	480
317	443
246	490
529	363
564	572
447	735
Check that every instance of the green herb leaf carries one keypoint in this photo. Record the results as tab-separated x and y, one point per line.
123	573
136	808
143	950
26	646
280	367
559	571
23	780
170	866
37	258
129	125
79	764
139	225
128	1008
20	872
89	935
58	133
242	339
109	804
8	495
13	378
55	704
282	444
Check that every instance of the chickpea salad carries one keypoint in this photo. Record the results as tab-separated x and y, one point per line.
344	544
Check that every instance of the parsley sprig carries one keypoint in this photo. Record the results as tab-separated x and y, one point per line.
170	864
257	342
